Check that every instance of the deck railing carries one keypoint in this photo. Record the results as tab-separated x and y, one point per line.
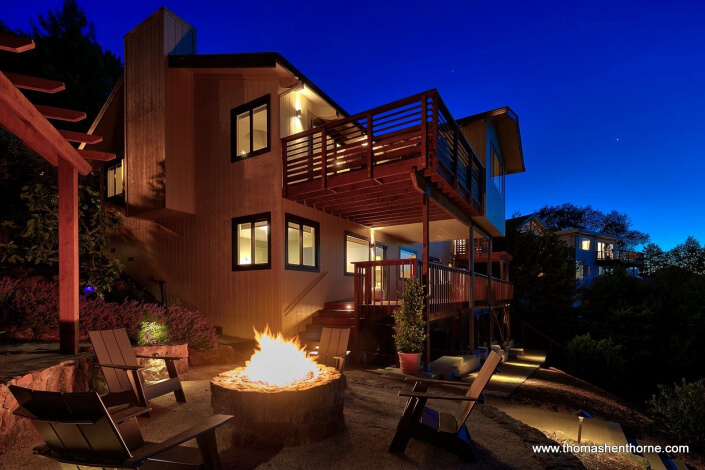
380	284
419	127
622	256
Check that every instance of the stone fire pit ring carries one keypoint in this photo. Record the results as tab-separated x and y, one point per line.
273	416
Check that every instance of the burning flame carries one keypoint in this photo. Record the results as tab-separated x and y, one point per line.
278	361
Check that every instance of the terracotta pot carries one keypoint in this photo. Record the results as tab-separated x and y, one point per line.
409	362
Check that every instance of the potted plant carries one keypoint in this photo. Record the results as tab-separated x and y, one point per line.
410	327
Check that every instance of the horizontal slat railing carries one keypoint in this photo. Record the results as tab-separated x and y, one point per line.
418	127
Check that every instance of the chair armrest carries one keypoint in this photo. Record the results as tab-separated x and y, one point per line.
120	366
166	358
438	382
149	451
439	397
128	413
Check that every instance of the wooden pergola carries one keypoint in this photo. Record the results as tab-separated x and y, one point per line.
30	123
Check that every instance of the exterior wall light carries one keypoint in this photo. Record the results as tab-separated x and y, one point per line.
298	113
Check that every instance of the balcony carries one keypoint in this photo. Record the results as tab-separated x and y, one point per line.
374	167
613	257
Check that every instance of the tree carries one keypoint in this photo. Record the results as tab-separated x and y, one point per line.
66	50
689	256
37	242
543	273
567	216
654	259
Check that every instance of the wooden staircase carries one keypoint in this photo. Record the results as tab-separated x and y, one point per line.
338	314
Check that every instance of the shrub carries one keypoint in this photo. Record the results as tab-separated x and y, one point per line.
34	304
409	323
680	410
597	361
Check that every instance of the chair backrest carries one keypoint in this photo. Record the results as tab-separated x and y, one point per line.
334	343
75	426
113	347
478	385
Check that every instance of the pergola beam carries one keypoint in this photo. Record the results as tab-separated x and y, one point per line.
60	114
80	137
12	43
43	85
21	118
97	156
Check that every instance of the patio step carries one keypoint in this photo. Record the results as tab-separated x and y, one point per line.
332	321
335	313
339	305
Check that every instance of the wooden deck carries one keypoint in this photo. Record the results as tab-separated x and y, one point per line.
374	167
379	286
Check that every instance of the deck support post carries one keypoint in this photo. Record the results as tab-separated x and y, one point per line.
68	258
471	293
424	271
490	294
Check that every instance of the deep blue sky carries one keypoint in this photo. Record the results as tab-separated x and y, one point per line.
610	95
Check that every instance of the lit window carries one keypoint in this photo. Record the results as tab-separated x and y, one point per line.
497	171
301	243
252	242
406	254
584	243
604	250
250	129
114	179
357	249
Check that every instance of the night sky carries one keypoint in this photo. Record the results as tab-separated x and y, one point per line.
610	95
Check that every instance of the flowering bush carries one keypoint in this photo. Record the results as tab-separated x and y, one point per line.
30	303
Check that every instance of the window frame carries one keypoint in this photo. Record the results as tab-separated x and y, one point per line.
501	188
582	238
252	219
250	106
345	248
108	167
317	243
408	250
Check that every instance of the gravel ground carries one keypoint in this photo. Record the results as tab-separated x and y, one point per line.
372	409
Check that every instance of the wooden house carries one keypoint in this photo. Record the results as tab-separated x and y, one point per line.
252	196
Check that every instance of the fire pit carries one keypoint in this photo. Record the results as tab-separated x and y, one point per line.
281	397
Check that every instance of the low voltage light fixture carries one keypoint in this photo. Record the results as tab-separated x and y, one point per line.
298	113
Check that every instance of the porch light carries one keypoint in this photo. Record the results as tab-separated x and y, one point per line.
298	113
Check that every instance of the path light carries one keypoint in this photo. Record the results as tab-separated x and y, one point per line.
581	416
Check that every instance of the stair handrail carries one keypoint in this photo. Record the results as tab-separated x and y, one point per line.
303	293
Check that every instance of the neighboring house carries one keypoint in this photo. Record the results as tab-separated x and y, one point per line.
256	199
526	223
596	253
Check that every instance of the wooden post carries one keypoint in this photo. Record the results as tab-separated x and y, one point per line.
471	267
424	271
370	154
490	294
324	159
68	258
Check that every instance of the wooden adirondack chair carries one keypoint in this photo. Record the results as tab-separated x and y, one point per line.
443	430
79	432
123	374
332	349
